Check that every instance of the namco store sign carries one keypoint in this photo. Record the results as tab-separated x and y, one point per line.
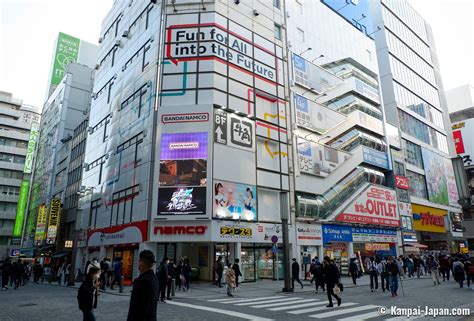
178	230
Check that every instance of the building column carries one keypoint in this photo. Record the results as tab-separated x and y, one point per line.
102	253
350	249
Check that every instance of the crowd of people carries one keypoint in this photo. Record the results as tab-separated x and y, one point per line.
15	274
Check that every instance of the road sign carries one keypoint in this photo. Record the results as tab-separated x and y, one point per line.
274	248
220	126
274	239
241	132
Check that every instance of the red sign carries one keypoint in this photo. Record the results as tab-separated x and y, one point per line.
135	232
177	230
376	205
402	182
458	142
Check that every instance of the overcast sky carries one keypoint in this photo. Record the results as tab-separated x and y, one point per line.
28	29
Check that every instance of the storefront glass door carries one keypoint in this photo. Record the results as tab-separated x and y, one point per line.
248	264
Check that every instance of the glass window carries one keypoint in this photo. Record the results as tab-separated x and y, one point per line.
276	3
398	168
277	32
417	184
412	153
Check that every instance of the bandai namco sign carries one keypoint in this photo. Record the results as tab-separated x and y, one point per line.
180	230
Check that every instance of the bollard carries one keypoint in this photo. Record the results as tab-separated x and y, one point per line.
173	286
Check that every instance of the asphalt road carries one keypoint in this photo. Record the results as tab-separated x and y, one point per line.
260	301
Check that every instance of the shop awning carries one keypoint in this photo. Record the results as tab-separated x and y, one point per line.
60	254
417	245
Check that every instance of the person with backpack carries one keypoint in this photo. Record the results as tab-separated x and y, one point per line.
393	273
384	275
433	266
353	270
373	272
331	278
87	294
458	272
237	272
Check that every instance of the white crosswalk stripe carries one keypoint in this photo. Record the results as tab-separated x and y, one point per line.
342	311
289	301
319	308
364	316
232	301
264	301
305	305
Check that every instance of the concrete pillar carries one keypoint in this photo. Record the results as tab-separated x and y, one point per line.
102	253
350	249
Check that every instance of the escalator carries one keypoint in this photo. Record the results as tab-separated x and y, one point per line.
322	206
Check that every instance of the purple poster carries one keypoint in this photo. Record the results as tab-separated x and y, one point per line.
184	146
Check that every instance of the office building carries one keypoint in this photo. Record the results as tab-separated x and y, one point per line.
18	130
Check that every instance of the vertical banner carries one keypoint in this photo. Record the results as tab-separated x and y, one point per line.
20	209
54	214
67	50
31	148
41	224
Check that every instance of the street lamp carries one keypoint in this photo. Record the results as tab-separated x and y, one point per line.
305	51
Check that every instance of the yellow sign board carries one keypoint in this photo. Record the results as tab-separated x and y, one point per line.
428	219
41	223
377	247
54	213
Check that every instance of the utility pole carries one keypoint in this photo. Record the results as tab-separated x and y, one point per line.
286	241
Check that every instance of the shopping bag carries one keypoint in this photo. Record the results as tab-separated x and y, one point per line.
336	289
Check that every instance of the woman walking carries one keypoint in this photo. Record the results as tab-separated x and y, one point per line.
230	279
87	294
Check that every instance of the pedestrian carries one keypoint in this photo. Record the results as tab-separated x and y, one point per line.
418	266
237	272
331	278
433	266
104	270
410	266
384	279
118	274
6	273
219	271
445	267
26	273
458	272
353	270
18	271
60	272
295	274
319	278
393	273
186	274
145	290
87	294
179	274
230	279
401	266
312	270
37	272
162	275
171	277
373	273
468	268
67	272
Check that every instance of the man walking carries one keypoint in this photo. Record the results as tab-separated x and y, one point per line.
163	278
353	270
145	290
295	274
171	276
331	278
118	275
382	269
237	272
393	273
6	273
374	279
445	267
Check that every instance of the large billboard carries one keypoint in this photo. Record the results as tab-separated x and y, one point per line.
54	220
318	159
234	201
428	219
436	180
462	133
41	224
182	201
67	50
377	205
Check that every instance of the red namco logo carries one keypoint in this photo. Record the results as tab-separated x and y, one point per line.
178	230
428	219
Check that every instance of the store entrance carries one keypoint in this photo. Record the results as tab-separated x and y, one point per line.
126	255
259	261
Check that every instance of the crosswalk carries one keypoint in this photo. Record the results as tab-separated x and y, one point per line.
307	307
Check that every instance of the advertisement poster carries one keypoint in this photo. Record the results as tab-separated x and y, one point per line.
31	148
375	157
309	234
435	177
312	76
21	207
318	159
453	195
183	172
462	133
428	219
235	201
376	205
183	146
53	223
405	208
67	50
315	117
182	201
41	224
456	221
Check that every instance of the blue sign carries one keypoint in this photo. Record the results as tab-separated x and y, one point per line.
375	157
299	63
360	230
336	233
301	103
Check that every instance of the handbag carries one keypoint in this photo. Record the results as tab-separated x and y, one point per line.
336	289
341	286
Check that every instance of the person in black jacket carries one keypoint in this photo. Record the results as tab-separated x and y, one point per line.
331	278
163	276
353	270
6	273
295	274
145	290
171	276
87	295
236	269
